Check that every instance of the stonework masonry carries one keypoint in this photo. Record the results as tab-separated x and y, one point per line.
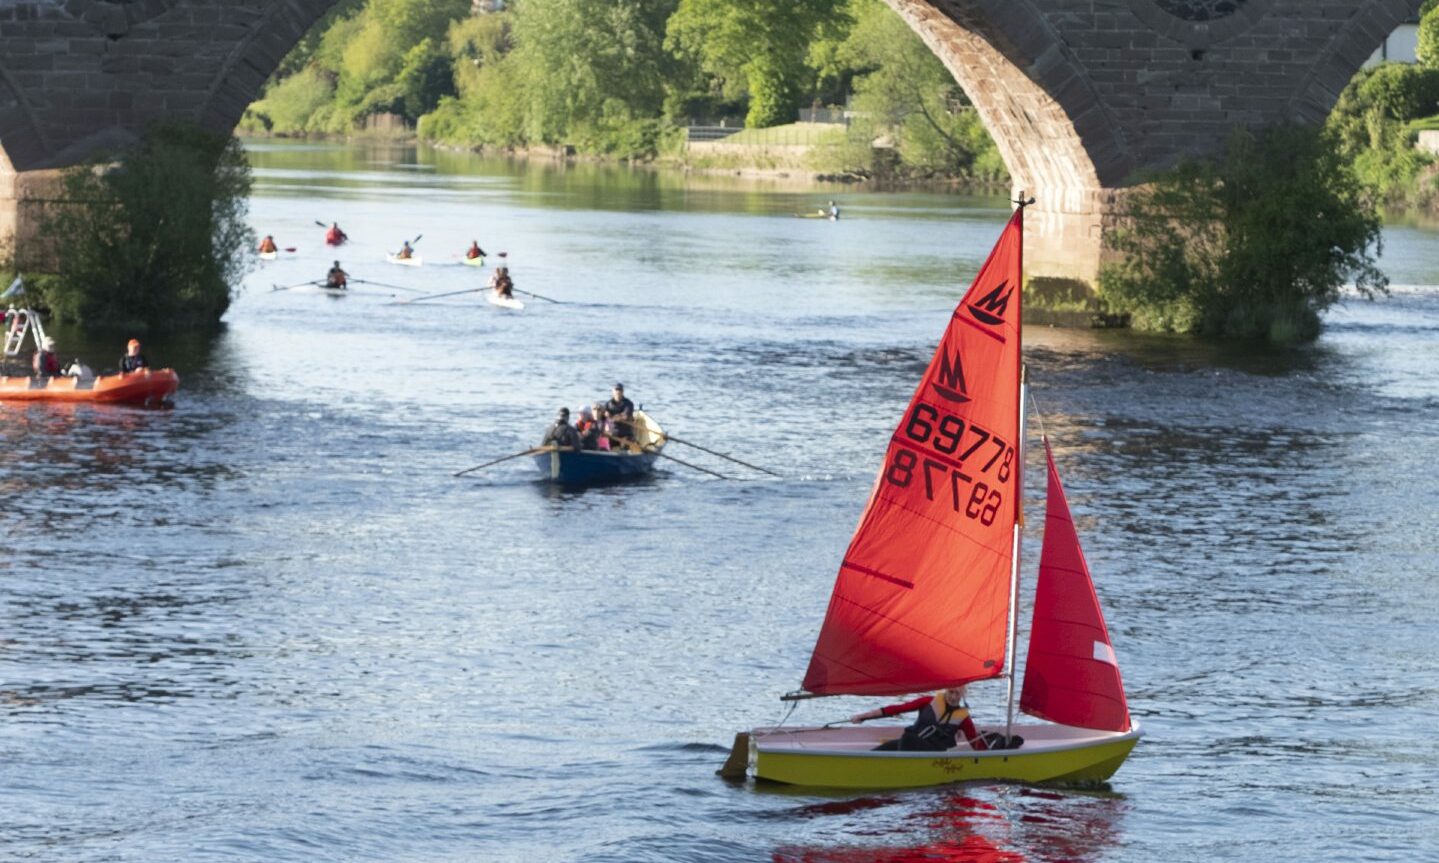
1082	96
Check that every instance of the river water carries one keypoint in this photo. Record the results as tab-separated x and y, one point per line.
270	625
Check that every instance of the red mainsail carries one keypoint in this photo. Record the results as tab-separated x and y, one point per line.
922	596
1070	676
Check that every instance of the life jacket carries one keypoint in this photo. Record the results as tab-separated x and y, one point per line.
46	363
334	236
946	720
267	246
474	252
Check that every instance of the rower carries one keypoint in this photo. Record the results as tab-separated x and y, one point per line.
405	252
133	361
501	283
621	412
45	363
336	278
833	211
267	245
561	433
334	236
474	251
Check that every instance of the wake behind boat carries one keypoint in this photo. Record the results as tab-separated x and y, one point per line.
942	532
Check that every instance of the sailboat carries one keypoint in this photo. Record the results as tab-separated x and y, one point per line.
927	596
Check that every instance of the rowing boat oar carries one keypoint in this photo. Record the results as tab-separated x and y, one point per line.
274	288
537	296
384	285
530	451
409	300
650	449
721	455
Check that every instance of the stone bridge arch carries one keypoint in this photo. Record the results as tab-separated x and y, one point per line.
1080	95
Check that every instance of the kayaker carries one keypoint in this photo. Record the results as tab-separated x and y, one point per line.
561	433
405	252
334	236
133	360
621	412
267	245
501	283
474	251
45	363
943	717
337	278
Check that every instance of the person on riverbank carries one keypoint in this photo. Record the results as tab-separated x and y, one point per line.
561	433
943	718
334	236
267	245
133	360
474	251
406	252
45	363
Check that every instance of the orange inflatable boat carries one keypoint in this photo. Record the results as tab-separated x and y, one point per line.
144	387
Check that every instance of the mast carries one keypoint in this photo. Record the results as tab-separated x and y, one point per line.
1023	376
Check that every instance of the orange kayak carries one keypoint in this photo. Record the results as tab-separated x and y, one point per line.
144	387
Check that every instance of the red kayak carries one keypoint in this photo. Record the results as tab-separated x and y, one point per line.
335	239
144	387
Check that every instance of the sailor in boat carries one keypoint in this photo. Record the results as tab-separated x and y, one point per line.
561	433
501	283
621	412
267	245
334	236
942	722
474	251
133	361
45	363
336	278
405	252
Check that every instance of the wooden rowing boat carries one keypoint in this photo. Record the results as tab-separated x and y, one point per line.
597	467
144	387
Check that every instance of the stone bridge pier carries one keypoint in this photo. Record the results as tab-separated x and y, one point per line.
1082	96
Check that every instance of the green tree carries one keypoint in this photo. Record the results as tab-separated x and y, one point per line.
756	48
1427	51
1255	244
157	236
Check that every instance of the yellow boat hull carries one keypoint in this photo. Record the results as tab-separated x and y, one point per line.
845	758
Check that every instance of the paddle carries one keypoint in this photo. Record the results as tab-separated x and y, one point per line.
537	296
530	451
721	455
385	285
651	449
321	224
274	288
406	302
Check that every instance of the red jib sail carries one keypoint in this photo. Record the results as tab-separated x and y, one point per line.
1070	676
922	596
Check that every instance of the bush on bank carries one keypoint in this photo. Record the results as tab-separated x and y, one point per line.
1254	244
155	236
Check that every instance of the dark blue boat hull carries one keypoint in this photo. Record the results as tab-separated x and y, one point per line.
593	467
